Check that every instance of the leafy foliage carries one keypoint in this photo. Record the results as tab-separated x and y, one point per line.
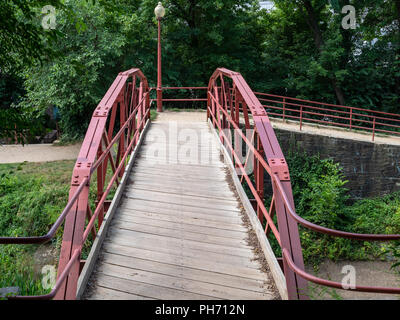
73	82
321	197
312	56
90	57
318	187
23	39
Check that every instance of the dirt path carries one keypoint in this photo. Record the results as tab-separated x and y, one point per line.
369	273
49	152
37	153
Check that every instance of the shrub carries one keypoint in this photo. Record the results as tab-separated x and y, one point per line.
321	197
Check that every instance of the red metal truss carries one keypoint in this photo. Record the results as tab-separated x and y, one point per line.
129	98
226	100
132	104
221	111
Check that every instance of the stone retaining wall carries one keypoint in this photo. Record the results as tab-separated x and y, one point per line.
372	169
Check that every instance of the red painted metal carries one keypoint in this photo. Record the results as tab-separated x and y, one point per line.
74	259
309	111
181	99
266	142
159	80
333	284
301	110
317	228
133	103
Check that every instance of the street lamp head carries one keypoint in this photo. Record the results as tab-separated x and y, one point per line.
159	11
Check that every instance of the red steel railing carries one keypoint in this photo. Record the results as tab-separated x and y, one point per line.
306	111
130	95
225	102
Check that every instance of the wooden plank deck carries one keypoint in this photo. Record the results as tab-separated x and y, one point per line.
178	232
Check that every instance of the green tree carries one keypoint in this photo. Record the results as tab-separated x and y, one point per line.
86	63
25	43
22	41
313	57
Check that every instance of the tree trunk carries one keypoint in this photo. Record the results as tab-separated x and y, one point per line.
338	91
319	43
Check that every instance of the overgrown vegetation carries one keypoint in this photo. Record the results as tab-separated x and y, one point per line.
298	49
321	198
32	196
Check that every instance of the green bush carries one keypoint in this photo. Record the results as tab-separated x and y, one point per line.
318	189
379	215
32	196
321	197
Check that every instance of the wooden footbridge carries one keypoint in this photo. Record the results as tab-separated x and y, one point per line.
178	232
180	210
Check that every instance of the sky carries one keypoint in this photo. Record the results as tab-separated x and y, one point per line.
266	4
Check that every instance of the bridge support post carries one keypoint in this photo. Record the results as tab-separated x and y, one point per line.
288	229
100	184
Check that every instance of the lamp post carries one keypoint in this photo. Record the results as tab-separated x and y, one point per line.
159	12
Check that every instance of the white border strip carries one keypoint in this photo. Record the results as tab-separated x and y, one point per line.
94	252
274	266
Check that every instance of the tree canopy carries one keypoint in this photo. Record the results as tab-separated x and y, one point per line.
299	48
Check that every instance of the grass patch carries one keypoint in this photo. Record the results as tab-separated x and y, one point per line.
32	196
153	115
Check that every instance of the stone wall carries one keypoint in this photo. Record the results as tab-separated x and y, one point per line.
372	169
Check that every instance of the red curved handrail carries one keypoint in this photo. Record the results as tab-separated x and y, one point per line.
54	227
134	105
